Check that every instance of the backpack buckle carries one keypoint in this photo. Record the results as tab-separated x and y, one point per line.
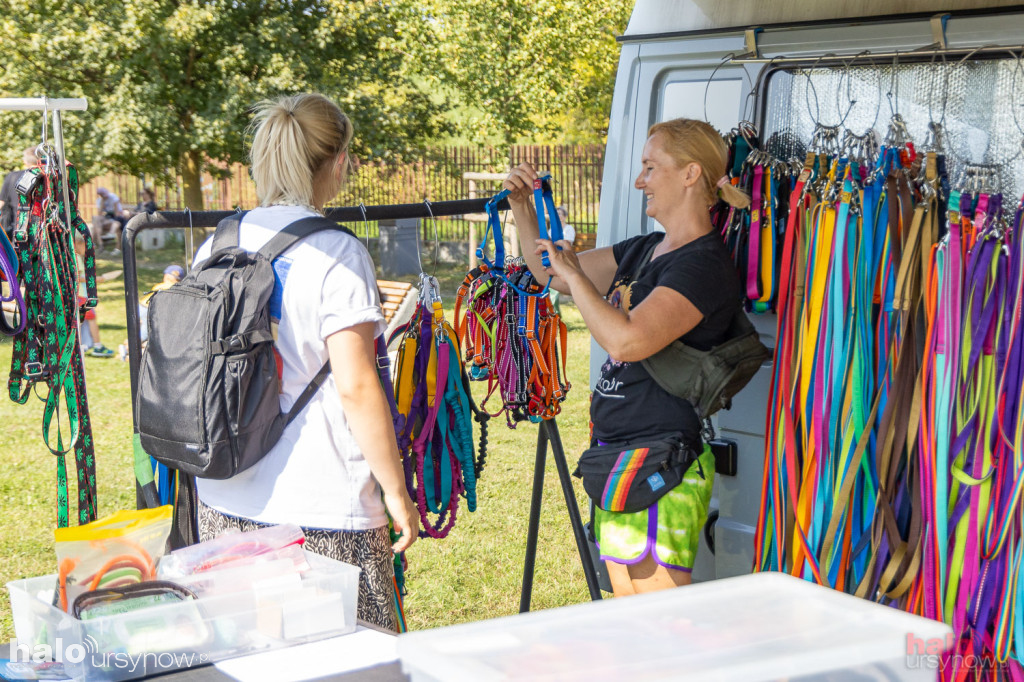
232	344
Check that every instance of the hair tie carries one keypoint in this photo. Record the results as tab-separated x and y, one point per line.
723	181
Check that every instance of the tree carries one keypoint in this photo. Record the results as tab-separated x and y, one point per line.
171	83
520	68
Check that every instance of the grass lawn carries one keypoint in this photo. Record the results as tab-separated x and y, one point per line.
474	573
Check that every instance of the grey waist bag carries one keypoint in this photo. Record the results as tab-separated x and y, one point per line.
709	379
208	394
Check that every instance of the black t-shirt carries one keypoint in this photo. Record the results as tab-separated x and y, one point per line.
9	195
627	404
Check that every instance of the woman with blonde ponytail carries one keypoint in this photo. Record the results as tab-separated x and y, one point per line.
637	297
331	465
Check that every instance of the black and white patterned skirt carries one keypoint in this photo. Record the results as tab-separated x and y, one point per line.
370	550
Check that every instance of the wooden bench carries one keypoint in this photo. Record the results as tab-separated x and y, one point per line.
584	242
392	295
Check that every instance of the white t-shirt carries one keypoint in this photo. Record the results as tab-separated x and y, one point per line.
315	476
568	233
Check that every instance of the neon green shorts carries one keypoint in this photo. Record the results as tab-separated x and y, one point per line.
669	529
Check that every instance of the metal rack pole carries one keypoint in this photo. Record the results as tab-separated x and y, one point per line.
867	57
548	434
41	103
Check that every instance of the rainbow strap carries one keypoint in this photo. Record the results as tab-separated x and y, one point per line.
621	478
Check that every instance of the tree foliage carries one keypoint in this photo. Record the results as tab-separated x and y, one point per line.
170	83
537	69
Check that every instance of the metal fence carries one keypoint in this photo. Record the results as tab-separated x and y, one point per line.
436	175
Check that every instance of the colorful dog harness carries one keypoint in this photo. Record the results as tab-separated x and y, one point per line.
512	336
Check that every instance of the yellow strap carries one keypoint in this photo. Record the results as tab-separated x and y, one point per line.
767	239
405	387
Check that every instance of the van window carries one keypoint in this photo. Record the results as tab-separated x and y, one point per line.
685	99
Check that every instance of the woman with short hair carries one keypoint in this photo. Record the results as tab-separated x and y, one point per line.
328	470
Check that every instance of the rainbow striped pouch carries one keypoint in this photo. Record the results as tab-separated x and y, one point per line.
633	476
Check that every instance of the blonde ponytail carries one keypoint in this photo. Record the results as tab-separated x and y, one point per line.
690	141
733	196
296	139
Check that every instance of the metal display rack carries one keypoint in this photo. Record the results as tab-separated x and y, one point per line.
547	432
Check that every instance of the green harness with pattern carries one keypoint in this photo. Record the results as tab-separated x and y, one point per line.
47	356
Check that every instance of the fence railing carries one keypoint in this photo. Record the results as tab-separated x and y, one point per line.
435	175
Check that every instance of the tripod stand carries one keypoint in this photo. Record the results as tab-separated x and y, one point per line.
548	434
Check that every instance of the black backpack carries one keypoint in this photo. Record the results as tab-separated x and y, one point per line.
207	402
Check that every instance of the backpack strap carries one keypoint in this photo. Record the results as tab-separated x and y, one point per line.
283	240
226	235
307	394
648	254
277	245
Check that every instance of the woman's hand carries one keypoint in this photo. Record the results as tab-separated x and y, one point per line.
369	420
520	183
564	264
406	519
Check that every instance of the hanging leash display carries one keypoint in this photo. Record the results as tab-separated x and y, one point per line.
512	336
754	234
893	456
47	356
435	436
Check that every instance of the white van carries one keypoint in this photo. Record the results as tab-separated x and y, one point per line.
674	63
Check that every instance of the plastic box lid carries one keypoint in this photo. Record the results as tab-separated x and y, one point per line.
763	626
257	616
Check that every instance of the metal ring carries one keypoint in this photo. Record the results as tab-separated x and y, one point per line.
191	242
756	91
707	85
437	242
366	223
847	65
815	117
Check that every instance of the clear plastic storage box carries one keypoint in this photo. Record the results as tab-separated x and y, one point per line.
256	615
765	626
